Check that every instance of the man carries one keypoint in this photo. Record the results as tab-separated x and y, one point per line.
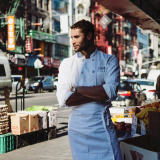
88	82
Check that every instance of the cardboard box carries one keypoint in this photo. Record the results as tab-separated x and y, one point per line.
33	122
52	118
144	147
42	122
19	123
42	118
141	148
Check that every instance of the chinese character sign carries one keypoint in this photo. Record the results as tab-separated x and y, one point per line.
11	33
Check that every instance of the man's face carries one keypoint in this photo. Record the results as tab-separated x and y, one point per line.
79	40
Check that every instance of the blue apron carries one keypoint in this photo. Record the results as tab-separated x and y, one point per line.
91	133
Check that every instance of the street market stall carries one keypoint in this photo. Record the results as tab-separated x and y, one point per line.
33	125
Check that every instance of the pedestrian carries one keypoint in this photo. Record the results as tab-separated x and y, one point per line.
158	87
88	82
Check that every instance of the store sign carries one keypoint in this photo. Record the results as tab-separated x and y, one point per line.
41	36
11	33
56	63
135	51
17	59
28	44
143	128
134	125
47	61
31	60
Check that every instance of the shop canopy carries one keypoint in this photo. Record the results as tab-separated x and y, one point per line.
143	13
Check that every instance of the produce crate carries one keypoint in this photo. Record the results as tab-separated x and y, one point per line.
25	139
41	135
6	143
52	132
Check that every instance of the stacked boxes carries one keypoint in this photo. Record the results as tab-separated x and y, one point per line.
4	121
19	123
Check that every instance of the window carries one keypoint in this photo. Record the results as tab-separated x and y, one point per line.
60	6
28	1
16	79
2	71
34	20
46	5
56	25
33	2
61	50
148	83
80	9
40	3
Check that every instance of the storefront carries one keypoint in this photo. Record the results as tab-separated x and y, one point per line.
40	46
17	62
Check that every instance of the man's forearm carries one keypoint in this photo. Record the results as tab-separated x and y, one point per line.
76	99
96	93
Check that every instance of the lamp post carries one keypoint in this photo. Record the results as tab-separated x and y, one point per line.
139	54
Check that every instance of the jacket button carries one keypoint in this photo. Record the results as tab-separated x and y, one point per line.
92	71
82	72
92	59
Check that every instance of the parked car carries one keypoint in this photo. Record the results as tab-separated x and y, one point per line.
129	94
15	80
55	82
149	85
41	83
5	73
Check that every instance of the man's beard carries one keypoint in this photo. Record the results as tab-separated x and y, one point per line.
83	47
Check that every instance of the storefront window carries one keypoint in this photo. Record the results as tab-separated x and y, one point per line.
61	50
60	6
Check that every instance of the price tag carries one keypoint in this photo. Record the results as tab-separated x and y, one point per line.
134	125
143	128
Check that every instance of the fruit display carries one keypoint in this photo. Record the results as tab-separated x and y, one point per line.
122	126
122	112
145	108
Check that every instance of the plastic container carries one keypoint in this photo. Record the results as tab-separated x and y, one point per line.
6	142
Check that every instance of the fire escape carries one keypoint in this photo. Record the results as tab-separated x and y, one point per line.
97	12
120	33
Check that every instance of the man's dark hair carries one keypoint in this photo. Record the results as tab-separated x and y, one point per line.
85	26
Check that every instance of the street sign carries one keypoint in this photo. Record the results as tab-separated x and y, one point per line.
11	33
105	21
38	64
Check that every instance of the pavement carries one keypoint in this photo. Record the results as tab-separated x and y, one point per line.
55	149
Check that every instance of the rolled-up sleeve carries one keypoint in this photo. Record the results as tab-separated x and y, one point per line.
112	78
64	84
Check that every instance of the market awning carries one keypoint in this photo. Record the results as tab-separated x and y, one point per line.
143	13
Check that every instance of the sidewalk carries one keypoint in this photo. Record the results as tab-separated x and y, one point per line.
55	149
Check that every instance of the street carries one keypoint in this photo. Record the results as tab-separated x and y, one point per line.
46	99
56	149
